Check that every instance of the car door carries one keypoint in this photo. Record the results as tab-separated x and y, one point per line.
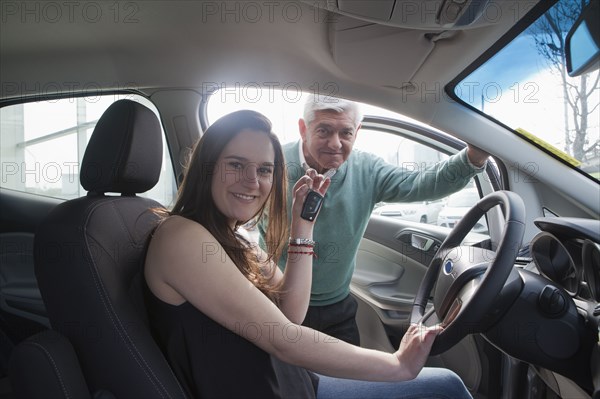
399	243
400	239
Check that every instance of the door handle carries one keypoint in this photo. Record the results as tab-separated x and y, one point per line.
421	242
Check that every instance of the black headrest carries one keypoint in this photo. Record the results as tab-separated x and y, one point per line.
124	154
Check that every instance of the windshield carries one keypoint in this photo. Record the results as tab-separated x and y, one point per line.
525	86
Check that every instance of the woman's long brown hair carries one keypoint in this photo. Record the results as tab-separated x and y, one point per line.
195	200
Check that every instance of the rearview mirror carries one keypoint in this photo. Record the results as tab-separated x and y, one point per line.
582	43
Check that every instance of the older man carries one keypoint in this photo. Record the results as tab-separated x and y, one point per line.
359	180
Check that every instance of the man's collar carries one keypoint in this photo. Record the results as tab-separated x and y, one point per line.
329	173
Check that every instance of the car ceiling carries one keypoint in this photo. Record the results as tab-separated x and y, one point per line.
198	44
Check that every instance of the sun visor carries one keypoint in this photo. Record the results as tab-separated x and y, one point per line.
414	14
366	51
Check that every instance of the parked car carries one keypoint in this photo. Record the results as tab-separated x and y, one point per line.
423	212
514	78
457	206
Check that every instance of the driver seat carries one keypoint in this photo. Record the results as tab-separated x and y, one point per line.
89	254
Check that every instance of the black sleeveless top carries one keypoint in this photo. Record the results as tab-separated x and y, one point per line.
210	361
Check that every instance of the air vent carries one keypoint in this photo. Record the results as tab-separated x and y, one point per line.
523	260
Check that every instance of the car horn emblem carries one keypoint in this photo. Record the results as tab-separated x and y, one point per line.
448	266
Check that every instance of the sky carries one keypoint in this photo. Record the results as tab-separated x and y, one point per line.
518	88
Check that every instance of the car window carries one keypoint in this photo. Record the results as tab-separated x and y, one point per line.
526	87
457	205
284	108
407	153
43	143
464	198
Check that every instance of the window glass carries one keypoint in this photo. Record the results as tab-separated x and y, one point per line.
284	108
525	86
43	144
409	154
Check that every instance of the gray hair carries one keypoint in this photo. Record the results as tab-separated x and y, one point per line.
317	102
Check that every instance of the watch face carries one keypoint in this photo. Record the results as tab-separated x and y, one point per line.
311	206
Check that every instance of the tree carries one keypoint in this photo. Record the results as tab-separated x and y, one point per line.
580	92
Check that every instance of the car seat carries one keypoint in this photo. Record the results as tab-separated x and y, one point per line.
88	257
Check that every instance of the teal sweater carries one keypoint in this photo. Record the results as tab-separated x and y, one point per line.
361	182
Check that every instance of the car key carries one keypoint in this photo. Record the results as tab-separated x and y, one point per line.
311	205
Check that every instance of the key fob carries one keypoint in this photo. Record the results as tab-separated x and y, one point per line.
311	206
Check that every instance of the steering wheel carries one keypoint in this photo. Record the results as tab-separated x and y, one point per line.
468	279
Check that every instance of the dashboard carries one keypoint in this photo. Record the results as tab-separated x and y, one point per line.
567	251
553	320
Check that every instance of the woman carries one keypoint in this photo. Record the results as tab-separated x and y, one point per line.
227	319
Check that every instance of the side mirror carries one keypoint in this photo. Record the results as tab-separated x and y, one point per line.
582	44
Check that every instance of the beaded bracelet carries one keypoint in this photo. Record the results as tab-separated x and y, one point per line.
301	241
312	253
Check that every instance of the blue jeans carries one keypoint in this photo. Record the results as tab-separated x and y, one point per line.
431	383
